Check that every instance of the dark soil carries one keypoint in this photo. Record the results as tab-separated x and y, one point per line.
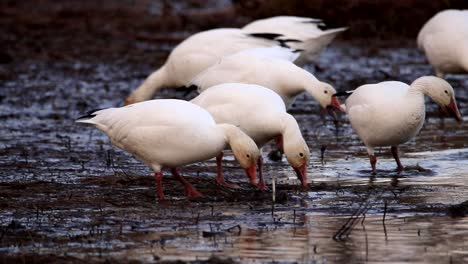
68	196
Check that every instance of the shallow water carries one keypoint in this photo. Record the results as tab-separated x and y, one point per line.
66	191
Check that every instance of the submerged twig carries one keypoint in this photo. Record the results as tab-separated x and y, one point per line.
273	198
346	229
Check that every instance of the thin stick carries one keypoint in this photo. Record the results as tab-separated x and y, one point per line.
273	198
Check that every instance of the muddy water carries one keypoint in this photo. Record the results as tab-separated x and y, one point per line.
67	193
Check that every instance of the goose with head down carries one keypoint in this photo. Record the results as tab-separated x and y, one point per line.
262	115
269	67
391	113
169	133
203	49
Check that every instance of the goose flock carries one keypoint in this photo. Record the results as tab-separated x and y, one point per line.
248	77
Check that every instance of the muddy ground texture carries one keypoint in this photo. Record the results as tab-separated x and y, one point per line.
67	195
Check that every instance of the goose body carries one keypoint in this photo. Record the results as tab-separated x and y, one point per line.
391	113
271	71
262	115
309	35
192	56
171	133
444	40
203	49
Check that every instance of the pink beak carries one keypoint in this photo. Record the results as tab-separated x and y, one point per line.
452	109
335	104
301	173
252	173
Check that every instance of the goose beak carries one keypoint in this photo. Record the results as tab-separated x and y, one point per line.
252	173
452	109
335	104
301	173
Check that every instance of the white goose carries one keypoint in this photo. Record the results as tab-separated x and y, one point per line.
309	35
203	49
267	67
262	115
444	40
391	113
171	133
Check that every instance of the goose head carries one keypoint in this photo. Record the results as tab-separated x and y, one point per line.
441	92
245	151
324	95
297	153
295	148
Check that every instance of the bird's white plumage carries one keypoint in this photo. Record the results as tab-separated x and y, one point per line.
195	54
312	39
384	114
203	49
444	40
162	133
256	110
276	52
391	113
279	75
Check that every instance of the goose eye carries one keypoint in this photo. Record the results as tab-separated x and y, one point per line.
248	156
301	154
325	91
446	91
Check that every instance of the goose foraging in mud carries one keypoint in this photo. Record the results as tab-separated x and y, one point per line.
171	133
262	115
444	40
391	113
267	67
203	49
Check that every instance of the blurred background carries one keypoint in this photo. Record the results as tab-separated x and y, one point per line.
60	29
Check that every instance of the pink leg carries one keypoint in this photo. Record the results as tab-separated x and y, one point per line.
396	157
373	161
190	191
219	177
261	182
279	143
158	177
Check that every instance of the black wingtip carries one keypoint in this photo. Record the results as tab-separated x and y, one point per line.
345	93
89	114
270	36
322	25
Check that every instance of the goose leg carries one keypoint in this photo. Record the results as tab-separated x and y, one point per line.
277	154
190	191
373	161
158	177
220	177
279	143
396	157
261	182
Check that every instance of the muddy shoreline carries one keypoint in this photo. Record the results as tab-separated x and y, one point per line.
68	196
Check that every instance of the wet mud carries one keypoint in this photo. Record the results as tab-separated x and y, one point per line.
68	196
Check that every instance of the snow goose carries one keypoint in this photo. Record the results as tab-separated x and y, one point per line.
391	113
262	115
269	68
309	35
171	133
195	54
203	49
444	40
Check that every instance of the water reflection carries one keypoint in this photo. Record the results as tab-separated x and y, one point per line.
429	239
